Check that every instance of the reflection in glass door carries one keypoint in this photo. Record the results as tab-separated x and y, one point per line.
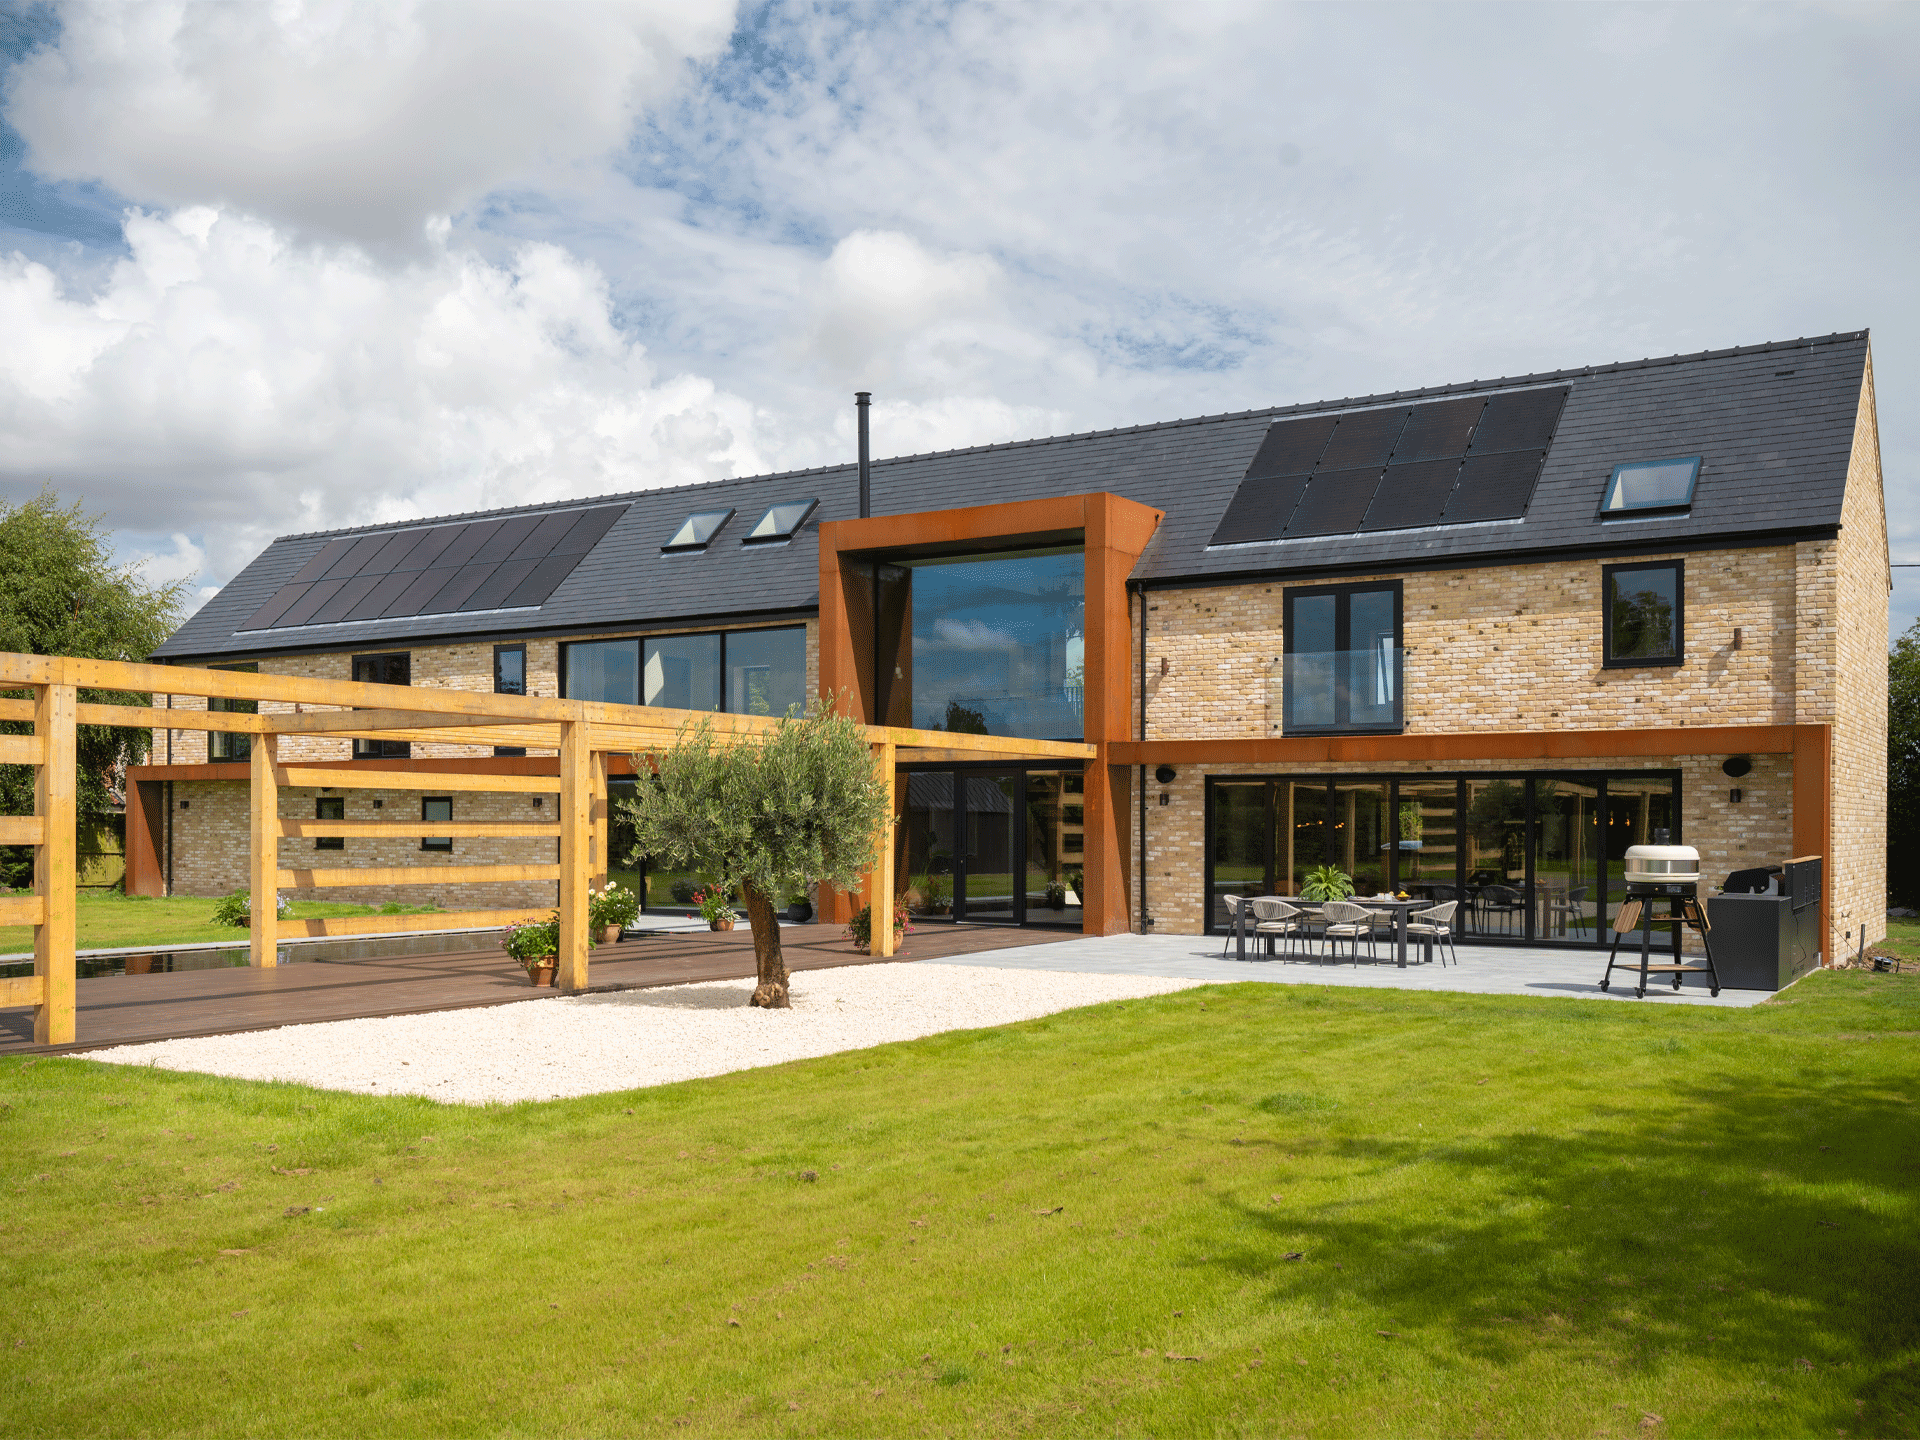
1635	809
1360	835
1242	848
1055	848
1496	859
1428	840
1566	858
986	891
1304	831
930	850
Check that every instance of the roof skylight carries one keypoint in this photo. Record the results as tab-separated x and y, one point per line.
1651	485
780	522
697	529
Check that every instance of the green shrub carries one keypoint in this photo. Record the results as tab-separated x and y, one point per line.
237	909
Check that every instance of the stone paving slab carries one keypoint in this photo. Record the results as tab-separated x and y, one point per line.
1483	969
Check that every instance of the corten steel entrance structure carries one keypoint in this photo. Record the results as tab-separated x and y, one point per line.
584	733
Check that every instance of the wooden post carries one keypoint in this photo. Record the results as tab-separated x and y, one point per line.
880	889
264	855
602	819
576	838
54	862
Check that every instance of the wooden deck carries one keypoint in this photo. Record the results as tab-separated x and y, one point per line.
127	1009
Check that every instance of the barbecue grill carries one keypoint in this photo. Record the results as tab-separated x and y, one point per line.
1656	872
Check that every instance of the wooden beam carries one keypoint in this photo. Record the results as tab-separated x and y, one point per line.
327	722
55	870
412	875
880	886
263	854
414	829
147	717
295	777
602	818
23	909
527	736
22	830
20	990
576	824
21	749
393	924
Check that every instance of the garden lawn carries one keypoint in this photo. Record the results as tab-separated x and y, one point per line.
1247	1210
109	921
1902	942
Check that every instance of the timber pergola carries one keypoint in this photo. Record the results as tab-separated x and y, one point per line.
583	732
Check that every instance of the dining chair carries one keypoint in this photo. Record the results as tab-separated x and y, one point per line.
1349	922
1436	926
1274	919
1233	904
1506	903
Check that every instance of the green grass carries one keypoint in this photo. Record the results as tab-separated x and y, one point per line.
1566	1216
1903	940
106	922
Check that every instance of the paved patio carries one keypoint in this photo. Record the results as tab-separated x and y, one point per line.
1483	969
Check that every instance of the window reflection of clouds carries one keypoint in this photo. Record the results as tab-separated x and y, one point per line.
1002	640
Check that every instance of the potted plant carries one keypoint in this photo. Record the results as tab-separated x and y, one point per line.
1327	882
1413	825
1056	895
536	945
716	907
800	908
610	910
860	928
936	894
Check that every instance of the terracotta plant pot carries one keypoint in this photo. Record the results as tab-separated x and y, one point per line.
610	935
543	974
720	924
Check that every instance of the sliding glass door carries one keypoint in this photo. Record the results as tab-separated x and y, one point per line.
995	847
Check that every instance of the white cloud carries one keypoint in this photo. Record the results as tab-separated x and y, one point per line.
970	635
358	118
229	384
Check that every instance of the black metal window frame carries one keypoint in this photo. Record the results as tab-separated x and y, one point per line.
1073	783
338	805
498	689
639	644
443	844
383	749
1343	643
1662	662
1602	875
224	745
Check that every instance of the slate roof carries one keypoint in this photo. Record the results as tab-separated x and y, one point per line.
1773	422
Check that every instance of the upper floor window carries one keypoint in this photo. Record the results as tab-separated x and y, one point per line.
1643	613
330	807
509	678
437	808
1342	669
390	669
746	672
220	744
1650	485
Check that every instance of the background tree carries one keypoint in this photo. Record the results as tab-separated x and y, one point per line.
807	803
1903	767
62	594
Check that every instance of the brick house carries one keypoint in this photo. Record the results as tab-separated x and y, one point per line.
1471	640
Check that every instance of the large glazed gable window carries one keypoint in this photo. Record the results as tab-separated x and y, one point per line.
392	669
744	672
1643	613
1342	668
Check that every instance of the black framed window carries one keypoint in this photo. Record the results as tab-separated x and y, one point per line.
509	678
223	746
1343	667
330	807
433	808
389	669
1643	614
749	672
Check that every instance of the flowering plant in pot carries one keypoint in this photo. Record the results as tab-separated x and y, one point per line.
536	945
860	928
716	905
611	909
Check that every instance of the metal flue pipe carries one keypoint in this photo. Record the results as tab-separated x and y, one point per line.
863	401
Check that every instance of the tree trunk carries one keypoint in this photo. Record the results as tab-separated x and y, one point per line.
771	991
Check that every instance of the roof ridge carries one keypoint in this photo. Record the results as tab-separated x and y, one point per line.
1305	407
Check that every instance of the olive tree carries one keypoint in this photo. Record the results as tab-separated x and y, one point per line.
807	802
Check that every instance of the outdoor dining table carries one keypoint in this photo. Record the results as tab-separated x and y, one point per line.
1401	909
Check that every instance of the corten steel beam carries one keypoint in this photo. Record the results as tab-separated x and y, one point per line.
1477	745
1114	532
146	822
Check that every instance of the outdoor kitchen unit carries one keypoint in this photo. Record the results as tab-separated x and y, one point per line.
1656	872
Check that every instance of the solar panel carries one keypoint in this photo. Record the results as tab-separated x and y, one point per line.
438	569
780	521
1335	501
1437	431
697	529
1362	439
1412	495
1520	420
1292	447
1495	487
1259	509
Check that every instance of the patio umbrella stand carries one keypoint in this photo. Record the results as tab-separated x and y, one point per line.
1660	872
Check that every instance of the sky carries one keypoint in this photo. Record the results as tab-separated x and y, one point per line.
273	268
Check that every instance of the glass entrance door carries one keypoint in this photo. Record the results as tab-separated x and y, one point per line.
999	847
985	888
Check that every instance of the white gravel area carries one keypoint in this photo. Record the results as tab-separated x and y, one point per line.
591	1044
